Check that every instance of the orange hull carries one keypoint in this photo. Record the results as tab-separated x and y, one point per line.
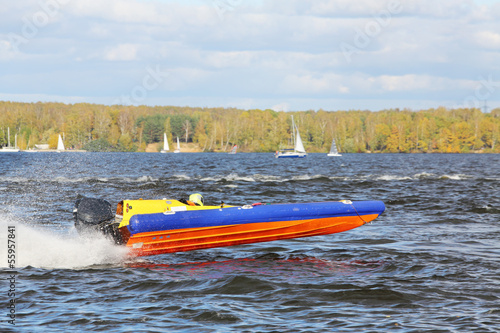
179	240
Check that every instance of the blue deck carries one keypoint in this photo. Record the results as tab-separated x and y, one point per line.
257	214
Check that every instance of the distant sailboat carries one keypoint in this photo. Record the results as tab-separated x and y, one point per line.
165	144
234	149
60	144
333	150
298	151
28	149
10	149
178	149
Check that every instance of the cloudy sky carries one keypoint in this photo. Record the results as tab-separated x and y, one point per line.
281	54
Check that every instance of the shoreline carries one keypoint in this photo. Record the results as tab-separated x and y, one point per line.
249	152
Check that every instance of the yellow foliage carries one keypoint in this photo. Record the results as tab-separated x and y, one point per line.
217	129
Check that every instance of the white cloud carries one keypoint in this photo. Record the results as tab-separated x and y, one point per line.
119	11
413	83
122	52
487	39
23	97
281	107
312	84
6	51
363	85
229	59
144	12
186	79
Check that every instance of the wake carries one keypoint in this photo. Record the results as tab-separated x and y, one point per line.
44	249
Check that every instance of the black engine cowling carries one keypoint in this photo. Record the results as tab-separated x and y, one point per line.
95	215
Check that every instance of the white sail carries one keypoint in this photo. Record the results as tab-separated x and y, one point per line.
178	149
60	144
299	147
165	143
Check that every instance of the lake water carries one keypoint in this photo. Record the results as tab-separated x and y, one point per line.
430	263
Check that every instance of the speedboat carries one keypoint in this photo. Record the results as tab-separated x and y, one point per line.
149	227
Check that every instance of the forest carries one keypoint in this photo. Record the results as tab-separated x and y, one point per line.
94	127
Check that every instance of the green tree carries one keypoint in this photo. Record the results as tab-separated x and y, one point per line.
153	128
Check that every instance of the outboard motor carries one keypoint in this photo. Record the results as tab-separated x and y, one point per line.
96	215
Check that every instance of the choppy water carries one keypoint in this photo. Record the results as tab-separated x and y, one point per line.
430	263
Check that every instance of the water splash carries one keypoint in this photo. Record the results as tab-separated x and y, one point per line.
43	249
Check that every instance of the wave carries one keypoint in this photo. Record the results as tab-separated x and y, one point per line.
67	180
486	209
425	176
268	178
181	177
456	177
235	177
309	177
392	177
318	177
228	178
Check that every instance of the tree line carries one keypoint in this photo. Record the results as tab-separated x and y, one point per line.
96	127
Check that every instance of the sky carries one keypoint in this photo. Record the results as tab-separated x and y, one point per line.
286	55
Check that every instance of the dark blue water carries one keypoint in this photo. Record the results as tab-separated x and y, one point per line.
430	263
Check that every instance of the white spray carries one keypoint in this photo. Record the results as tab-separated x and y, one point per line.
45	249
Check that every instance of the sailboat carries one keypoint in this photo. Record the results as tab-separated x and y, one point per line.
333	150
10	149
28	149
165	144
298	151
178	149
234	149
60	144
